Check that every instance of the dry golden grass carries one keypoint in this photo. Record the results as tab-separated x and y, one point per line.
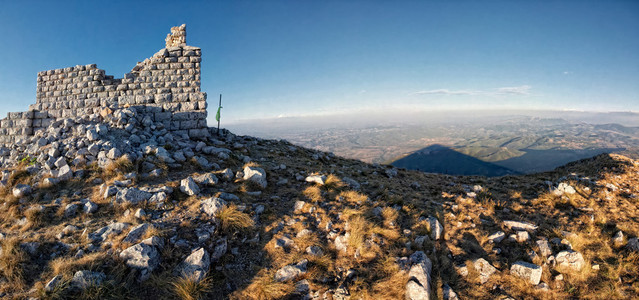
233	220
332	182
69	265
313	193
353	197
390	216
189	288
118	167
12	261
264	287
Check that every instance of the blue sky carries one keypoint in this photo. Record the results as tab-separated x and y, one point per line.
290	58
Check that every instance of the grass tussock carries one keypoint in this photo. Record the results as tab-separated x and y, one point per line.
264	287
332	182
119	166
12	261
232	219
69	265
189	288
314	194
354	197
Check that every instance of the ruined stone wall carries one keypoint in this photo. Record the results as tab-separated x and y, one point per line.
166	87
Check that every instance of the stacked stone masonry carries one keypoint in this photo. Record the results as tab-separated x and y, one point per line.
166	87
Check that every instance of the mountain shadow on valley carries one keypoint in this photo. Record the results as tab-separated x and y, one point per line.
441	159
547	160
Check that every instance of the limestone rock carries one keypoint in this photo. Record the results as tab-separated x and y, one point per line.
136	233
189	187
21	190
633	244
290	272
256	175
206	179
132	195
84	279
418	286
528	271
196	265
544	248
618	239
448	293
142	257
90	207
517	225
212	206
571	259
107	231
497	237
53	283
436	229
319	179
484	268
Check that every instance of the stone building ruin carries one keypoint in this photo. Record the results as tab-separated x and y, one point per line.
165	87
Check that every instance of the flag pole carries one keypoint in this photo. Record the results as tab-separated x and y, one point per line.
218	115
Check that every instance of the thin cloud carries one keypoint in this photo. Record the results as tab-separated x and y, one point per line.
446	92
515	90
509	91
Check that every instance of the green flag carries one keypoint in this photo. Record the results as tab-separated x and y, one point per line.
217	115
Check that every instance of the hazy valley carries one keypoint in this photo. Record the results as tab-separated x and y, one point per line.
491	145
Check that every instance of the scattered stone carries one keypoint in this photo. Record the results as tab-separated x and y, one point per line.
290	272
53	283
84	279
256	175
497	237
105	232
570	259
527	271
195	266
70	210
299	205
448	293
618	239
314	250
564	188
418	286
544	248
516	225
484	268
132	195
21	190
212	206
90	207
522	236
319	179
633	244
136	233
436	229
341	242
189	187
142	257
206	179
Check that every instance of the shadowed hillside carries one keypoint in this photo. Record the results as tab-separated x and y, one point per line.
444	160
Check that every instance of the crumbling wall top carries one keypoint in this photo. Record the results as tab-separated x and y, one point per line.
177	37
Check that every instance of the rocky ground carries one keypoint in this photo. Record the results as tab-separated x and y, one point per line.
113	206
